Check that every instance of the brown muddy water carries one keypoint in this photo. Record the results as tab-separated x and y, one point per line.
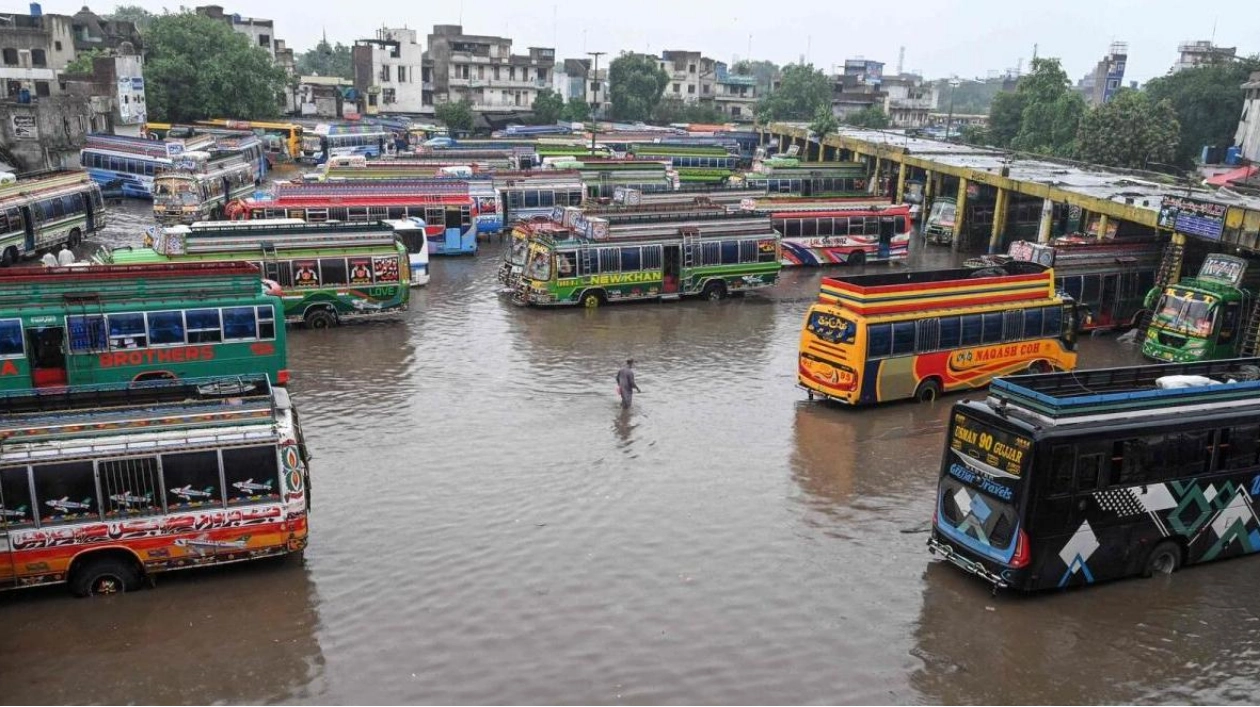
490	527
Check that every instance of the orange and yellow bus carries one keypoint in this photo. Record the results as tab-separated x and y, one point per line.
874	338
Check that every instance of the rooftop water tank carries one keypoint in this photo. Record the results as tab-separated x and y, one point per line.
36	10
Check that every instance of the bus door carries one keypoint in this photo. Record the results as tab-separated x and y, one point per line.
1109	303
46	352
454	229
671	262
28	221
887	229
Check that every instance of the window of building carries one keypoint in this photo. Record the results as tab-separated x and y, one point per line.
691	68
704	88
677	88
691	88
42	89
735	110
385	73
264	40
57	46
10	57
388	95
39	57
402	74
496	73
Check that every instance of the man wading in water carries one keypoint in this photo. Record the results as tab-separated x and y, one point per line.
625	383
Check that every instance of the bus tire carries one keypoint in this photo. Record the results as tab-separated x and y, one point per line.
1039	367
714	290
928	391
75	239
9	257
857	259
1165	558
592	299
320	319
104	575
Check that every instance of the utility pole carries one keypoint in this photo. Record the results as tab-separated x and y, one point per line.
953	84
595	96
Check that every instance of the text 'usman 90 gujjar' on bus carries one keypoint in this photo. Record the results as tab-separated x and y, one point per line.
888	336
82	325
102	486
1067	479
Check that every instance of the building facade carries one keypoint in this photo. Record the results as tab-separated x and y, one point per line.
735	95
859	87
692	76
1248	135
573	80
1107	78
390	75
908	101
1201	52
483	70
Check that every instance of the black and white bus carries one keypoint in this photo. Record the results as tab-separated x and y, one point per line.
1067	479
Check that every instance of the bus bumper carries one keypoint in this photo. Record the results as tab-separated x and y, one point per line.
949	554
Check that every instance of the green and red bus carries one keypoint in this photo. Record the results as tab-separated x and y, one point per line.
82	325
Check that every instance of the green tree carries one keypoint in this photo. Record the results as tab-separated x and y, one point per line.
1129	131
326	60
802	91
1207	102
1005	113
196	67
675	110
456	115
1052	110
132	13
547	107
869	117
636	83
824	122
82	63
577	110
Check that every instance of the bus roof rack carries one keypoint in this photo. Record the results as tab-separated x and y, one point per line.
896	292
1161	389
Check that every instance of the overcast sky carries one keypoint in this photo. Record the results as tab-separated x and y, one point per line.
969	38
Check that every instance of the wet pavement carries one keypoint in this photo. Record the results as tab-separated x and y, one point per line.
490	526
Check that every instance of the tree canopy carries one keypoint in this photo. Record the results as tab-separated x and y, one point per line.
635	85
868	117
1042	115
197	67
824	122
456	115
1129	131
548	107
132	13
326	60
1207	101
577	110
802	91
83	62
674	110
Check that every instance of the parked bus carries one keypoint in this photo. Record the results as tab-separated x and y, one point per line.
199	186
661	256
44	213
448	212
82	325
248	148
480	187
325	272
827	233
811	179
369	143
125	166
1202	317
1109	280
105	485
524	196
1023	220
289	134
875	338
1069	479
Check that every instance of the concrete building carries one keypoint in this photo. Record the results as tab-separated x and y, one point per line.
48	132
483	70
1248	135
261	33
908	101
33	49
389	73
735	95
573	80
692	77
1100	85
1201	52
94	32
860	86
115	87
324	96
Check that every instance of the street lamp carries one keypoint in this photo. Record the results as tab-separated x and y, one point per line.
953	84
595	96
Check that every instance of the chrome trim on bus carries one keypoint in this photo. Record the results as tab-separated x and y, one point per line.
947	552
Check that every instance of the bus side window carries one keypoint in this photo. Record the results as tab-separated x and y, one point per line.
11	345
903	338
15	489
1238	447
1033	322
1089	472
951	330
878	340
1062	459
971	329
1053	321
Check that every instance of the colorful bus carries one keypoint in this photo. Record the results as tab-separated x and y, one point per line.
199	186
289	134
523	196
480	187
811	179
448	212
44	213
248	148
105	485
1108	280
829	232
83	325
875	338
125	166
1069	479
1202	317
324	272
660	256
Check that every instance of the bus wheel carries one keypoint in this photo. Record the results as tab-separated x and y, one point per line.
9	257
1039	367
591	300
858	258
76	238
320	319
715	290
103	576
928	391
1164	559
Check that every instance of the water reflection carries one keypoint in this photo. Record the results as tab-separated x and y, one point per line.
238	634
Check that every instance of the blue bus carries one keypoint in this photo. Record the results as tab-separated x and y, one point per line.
125	166
369	143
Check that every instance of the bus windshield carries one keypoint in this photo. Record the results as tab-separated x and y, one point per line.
520	246
943	213
539	264
1189	312
980	485
173	190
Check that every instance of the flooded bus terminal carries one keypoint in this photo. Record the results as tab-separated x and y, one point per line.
489	526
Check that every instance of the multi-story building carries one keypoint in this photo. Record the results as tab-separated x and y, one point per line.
858	88
324	96
390	75
1107	77
1201	52
261	33
1248	135
573	80
908	101
483	70
734	95
692	77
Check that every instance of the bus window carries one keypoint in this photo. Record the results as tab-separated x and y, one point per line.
902	338
609	259
86	333
878	340
791	227
730	252
332	271
11	345
748	251
1238	447
1062	461
239	323
950	332
166	327
127	331
1032	322
971	330
192	479
66	492
129	487
711	253
203	326
809	227
250	474
15	492
1089	472
630	260
1054	321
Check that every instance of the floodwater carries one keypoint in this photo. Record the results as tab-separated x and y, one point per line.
490	527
